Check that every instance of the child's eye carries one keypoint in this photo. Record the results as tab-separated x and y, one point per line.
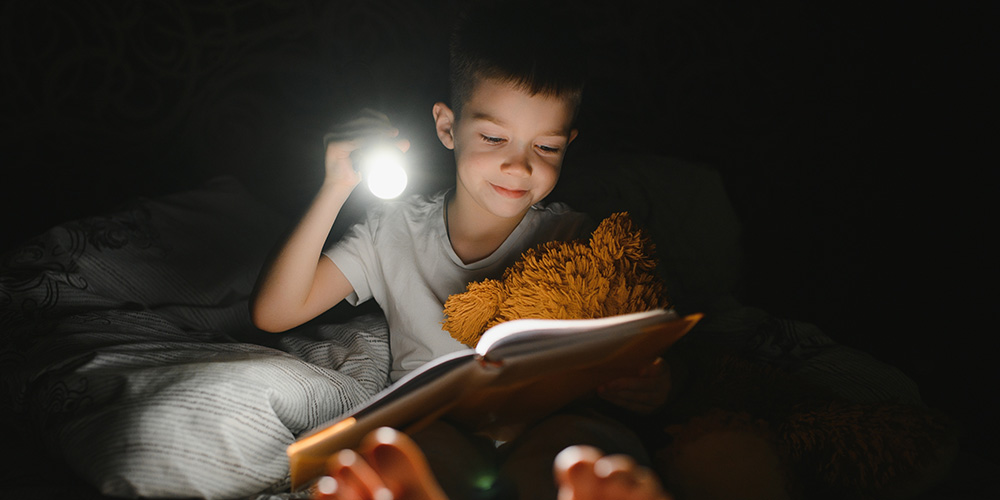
548	149
492	140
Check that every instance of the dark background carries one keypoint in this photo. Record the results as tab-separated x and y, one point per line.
851	138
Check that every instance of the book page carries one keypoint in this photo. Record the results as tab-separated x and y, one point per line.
525	335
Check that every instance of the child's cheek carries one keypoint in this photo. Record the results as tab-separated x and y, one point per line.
482	159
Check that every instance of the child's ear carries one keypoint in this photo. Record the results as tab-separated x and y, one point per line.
444	122
572	135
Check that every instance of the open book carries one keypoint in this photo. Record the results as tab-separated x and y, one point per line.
520	371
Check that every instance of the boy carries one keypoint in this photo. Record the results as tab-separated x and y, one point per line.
516	86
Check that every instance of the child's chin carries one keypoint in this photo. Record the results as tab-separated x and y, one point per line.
511	210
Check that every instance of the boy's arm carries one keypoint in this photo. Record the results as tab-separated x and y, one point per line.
299	283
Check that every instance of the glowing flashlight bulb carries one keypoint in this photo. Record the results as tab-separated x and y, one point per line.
383	170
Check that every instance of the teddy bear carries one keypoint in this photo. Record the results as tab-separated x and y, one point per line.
611	273
819	444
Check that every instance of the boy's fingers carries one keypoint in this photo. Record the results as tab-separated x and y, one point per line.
574	470
619	476
341	150
401	464
367	122
355	477
326	489
619	467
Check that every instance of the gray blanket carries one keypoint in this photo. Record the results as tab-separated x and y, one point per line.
127	349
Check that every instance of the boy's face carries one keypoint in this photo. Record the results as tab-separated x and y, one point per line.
509	146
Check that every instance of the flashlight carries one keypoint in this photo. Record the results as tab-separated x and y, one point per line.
382	167
379	160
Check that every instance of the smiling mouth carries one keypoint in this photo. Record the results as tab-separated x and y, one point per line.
509	193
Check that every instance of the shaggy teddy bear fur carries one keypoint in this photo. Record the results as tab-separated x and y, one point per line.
611	273
818	445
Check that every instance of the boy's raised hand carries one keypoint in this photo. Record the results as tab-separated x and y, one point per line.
339	167
345	138
642	394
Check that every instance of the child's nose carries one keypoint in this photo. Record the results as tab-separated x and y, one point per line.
517	164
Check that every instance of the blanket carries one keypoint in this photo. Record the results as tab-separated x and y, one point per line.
127	350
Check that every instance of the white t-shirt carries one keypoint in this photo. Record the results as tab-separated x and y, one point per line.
401	256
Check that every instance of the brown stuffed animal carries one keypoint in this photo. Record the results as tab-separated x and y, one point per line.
612	273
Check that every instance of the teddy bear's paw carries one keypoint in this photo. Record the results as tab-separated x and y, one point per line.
469	314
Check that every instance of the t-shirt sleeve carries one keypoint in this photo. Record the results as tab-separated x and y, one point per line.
355	256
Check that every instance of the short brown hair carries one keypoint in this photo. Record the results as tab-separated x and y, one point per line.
531	45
